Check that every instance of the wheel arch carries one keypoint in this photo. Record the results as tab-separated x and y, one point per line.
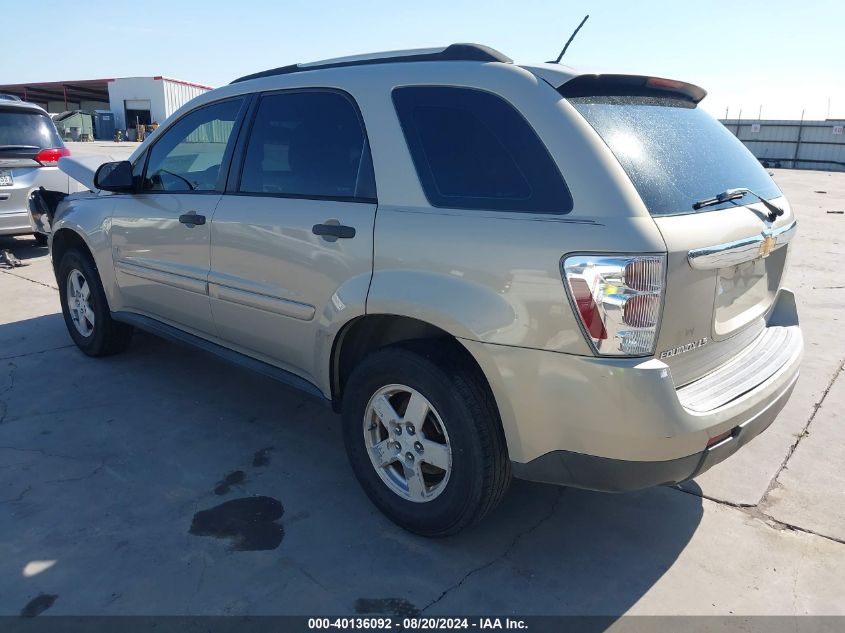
64	239
368	333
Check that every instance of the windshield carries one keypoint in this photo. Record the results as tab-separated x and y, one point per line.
22	127
674	153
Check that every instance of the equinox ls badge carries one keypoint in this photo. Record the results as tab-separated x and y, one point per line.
681	349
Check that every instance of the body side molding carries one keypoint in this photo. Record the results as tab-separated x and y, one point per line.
178	336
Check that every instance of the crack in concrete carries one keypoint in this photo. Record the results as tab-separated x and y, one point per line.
781	526
43	351
4	406
40	283
774	480
516	539
19	498
723	502
802	434
28	488
43	452
755	512
82	478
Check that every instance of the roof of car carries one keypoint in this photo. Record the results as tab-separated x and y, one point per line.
556	74
21	105
453	52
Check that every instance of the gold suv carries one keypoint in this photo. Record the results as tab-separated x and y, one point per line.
489	268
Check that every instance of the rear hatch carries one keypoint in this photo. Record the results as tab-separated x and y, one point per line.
29	143
725	261
25	132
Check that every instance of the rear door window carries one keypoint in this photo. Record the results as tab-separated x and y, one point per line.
675	153
19	127
308	144
473	150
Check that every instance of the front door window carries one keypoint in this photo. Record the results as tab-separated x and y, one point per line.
189	154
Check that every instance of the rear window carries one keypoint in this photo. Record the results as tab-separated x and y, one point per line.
308	144
674	153
473	150
27	128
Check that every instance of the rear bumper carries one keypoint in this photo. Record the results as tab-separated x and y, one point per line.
610	424
616	475
15	223
15	218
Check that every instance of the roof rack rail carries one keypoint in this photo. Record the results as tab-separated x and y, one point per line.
453	52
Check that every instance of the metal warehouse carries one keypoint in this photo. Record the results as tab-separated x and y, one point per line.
133	100
794	144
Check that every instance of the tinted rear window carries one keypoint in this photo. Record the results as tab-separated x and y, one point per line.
27	128
473	150
674	153
308	144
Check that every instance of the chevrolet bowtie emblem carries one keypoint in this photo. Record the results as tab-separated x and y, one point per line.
767	245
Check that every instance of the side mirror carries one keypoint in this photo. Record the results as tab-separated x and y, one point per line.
115	177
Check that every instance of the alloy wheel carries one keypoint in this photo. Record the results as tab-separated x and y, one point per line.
407	443
81	310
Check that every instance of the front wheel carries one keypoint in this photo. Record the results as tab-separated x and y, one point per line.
85	308
424	439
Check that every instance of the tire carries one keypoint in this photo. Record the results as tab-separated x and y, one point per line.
479	470
104	336
40	239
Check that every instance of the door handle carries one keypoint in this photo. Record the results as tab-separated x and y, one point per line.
192	219
337	231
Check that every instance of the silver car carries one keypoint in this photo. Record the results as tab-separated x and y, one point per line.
30	149
488	268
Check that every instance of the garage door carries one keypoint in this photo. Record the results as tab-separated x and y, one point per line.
137	104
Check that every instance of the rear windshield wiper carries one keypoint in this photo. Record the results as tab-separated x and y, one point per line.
734	194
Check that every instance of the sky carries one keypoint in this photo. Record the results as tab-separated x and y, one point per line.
783	57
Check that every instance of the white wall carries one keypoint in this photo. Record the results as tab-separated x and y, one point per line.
177	94
165	96
141	88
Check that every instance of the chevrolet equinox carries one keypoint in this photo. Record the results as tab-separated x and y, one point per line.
489	269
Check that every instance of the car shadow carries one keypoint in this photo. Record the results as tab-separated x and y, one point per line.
157	452
592	554
23	247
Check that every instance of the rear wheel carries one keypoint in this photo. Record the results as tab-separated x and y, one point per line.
424	438
85	309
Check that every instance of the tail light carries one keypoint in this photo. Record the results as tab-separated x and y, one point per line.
618	300
50	157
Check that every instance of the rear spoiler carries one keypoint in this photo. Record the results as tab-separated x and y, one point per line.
630	85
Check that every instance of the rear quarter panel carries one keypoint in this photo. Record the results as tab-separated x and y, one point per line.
495	276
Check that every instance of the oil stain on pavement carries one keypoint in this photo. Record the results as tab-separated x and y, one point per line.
394	606
38	605
232	479
262	457
250	523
